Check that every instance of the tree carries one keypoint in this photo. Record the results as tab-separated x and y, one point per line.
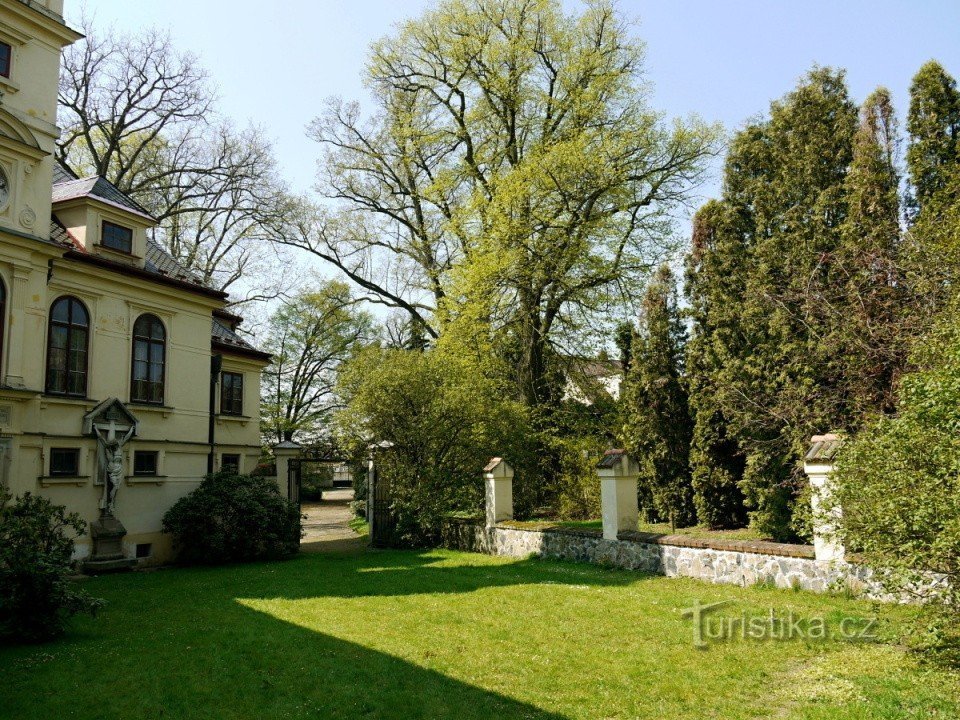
715	276
310	336
933	161
868	305
898	484
435	414
784	206
657	425
513	175
934	126
141	114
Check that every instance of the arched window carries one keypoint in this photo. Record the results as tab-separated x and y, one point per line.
149	357
67	347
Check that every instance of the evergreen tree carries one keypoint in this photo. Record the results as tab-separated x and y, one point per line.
769	369
657	425
933	161
714	281
867	306
934	126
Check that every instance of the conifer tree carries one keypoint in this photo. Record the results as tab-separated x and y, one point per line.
657	425
934	126
714	279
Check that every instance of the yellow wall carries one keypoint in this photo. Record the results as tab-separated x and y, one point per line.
34	273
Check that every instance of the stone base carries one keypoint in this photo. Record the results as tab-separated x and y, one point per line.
99	567
107	534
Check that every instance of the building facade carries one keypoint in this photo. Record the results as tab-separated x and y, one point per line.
91	309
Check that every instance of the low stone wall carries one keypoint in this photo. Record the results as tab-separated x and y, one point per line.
718	561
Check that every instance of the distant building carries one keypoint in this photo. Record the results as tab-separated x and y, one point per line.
90	310
585	377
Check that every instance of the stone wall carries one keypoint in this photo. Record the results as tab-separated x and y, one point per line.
718	561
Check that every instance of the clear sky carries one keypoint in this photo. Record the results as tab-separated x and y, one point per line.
274	62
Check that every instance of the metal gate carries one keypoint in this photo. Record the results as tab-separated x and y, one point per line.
383	526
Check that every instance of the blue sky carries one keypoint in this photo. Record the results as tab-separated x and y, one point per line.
274	62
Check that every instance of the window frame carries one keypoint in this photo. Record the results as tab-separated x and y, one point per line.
103	236
155	454
8	70
233	405
71	327
150	342
224	464
72	451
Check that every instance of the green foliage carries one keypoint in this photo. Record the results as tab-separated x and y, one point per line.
519	170
934	126
36	595
309	337
898	483
763	280
444	420
657	426
233	518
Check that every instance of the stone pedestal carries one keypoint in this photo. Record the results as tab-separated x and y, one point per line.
107	534
618	493
827	515
498	490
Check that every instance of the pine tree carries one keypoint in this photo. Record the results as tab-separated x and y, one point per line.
657	424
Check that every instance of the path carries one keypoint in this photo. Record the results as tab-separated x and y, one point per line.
326	526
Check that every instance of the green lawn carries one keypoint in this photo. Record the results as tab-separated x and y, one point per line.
451	635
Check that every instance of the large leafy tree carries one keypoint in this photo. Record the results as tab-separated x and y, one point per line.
657	425
513	179
142	114
310	336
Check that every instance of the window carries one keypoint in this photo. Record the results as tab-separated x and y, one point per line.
145	462
6	56
231	393
230	463
144	550
64	462
67	348
149	357
117	237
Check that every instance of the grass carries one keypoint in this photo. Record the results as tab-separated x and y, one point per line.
700	531
444	634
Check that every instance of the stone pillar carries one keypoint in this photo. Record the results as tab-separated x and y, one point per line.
618	493
284	453
498	484
818	465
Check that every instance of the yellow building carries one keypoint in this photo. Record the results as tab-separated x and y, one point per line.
91	310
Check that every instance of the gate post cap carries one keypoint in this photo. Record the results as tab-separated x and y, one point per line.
497	468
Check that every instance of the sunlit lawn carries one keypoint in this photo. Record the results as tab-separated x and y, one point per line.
450	635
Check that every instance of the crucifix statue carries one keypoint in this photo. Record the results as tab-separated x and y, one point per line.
110	442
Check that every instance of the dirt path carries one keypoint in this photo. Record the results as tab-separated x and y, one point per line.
326	526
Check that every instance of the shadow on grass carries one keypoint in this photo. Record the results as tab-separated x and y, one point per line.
179	644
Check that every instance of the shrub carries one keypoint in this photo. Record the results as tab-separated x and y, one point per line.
36	595
898	483
233	518
444	421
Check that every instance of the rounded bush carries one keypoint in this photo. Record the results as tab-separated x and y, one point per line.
233	518
37	595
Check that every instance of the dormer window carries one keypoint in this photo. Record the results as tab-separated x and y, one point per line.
6	56
116	237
